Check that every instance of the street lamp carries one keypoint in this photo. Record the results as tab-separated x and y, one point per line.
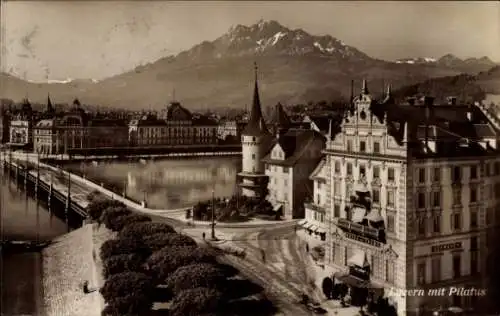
213	214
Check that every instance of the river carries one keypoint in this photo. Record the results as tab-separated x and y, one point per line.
166	183
22	218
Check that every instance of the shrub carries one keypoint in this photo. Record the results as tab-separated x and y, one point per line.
110	215
122	263
135	230
158	241
121	221
128	290
195	302
196	275
165	261
97	206
123	246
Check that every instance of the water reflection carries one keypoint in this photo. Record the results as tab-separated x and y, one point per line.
168	184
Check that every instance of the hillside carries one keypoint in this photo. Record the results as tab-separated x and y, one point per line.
294	67
469	65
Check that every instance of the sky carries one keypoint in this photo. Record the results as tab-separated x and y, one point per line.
57	40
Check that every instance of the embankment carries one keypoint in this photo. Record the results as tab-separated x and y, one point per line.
67	263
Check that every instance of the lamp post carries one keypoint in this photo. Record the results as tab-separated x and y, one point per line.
213	214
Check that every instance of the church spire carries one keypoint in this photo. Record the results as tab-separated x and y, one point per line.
256	125
50	108
364	89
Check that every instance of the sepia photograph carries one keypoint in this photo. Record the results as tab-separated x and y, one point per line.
249	158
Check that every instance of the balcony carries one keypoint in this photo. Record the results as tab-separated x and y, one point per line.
314	207
362	233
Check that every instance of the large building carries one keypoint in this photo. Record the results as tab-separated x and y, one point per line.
175	126
404	195
21	126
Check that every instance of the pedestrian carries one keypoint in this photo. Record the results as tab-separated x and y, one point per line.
307	247
263	255
203	235
295	228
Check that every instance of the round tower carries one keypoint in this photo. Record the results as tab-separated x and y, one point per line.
255	140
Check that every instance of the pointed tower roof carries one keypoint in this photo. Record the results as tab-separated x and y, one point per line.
256	125
50	108
364	89
280	118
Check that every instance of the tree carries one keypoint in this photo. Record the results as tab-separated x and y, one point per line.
110	215
196	275
129	292
97	206
158	241
123	246
135	230
195	302
165	261
122	221
122	263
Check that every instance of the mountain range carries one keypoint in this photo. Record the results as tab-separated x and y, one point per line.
293	67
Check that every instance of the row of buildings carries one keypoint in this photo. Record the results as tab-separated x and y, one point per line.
51	133
402	195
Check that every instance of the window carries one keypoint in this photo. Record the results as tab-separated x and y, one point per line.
391	225
456	221
389	271
421	200
376	172
285	196
390	174
436	199
318	199
337	167
390	198
473	243
319	185
497	168
436	224
349	145
336	210
336	188
473	172
285	182
457	197
456	175
362	170
457	266
436	269
473	219
362	146
421	273
473	195
285	169
349	169
421	175
421	225
376	147
486	170
473	262
253	156
376	196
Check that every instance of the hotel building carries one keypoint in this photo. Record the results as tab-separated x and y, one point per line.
405	194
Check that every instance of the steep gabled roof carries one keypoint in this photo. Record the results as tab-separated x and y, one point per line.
280	119
318	172
176	112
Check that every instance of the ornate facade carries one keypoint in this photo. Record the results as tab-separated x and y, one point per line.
407	193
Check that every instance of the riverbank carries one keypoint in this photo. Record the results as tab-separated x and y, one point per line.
67	263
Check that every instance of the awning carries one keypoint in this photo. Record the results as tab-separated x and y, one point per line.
352	280
358	214
277	207
307	225
359	259
313	227
374	216
302	222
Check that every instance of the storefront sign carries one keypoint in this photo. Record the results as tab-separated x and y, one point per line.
447	247
363	239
